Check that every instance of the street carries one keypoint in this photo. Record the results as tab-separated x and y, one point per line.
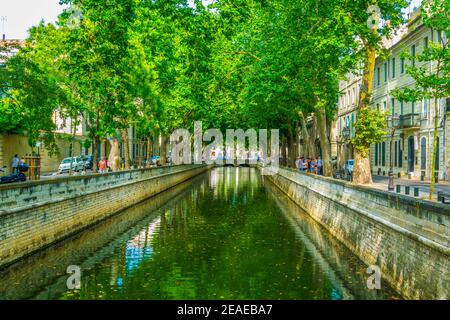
381	182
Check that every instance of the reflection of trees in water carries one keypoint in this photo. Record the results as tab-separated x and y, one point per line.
47	268
335	259
236	249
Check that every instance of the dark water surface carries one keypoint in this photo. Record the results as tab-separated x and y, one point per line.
226	234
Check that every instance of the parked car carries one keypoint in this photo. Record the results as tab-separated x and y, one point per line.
348	167
77	164
88	162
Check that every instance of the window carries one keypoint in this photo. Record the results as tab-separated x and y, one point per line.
393	67
395	153
412	107
423	154
353	126
401	107
425	42
392	106
378	107
436	160
376	154
424	108
384	106
378	76
383	154
400	155
413	54
402	66
439	36
385	72
379	154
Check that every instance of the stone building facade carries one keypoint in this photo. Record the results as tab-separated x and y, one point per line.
343	128
412	139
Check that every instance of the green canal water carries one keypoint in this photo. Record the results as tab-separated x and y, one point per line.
227	234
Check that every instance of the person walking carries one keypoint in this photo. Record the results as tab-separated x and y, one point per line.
305	165
15	164
102	166
319	166
313	166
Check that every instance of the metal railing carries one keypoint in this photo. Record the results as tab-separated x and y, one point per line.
409	120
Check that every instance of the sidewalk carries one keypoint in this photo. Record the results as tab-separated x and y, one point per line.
381	182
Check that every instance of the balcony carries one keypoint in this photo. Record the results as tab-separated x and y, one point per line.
410	120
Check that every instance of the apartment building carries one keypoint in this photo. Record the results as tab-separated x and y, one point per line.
412	137
343	128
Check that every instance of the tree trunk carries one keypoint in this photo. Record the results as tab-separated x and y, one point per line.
149	155
307	139
297	140
433	159
95	142
163	153
324	142
126	148
291	147
114	155
361	170
283	151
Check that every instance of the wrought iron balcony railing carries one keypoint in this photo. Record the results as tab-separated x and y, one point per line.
410	120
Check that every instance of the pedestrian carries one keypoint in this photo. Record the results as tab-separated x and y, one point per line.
15	164
319	166
297	163
313	166
305	165
102	166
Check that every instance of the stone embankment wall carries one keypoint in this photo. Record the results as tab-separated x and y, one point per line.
34	215
406	237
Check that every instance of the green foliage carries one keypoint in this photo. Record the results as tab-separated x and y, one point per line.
430	83
369	129
160	65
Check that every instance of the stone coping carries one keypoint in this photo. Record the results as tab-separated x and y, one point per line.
29	183
421	203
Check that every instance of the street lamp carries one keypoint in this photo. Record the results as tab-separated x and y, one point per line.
392	121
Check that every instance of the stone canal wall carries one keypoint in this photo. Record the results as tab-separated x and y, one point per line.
36	214
406	237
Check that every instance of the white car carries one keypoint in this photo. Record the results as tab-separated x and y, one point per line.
77	165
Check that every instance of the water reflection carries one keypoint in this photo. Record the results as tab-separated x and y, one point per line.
224	235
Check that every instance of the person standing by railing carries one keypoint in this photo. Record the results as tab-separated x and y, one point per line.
319	166
15	164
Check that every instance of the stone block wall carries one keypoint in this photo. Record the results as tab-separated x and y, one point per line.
36	214
406	237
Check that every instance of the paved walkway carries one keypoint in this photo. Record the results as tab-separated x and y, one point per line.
381	182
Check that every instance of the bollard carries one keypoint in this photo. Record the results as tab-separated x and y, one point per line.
416	191
399	188
407	190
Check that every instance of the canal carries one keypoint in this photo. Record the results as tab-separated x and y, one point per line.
226	234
